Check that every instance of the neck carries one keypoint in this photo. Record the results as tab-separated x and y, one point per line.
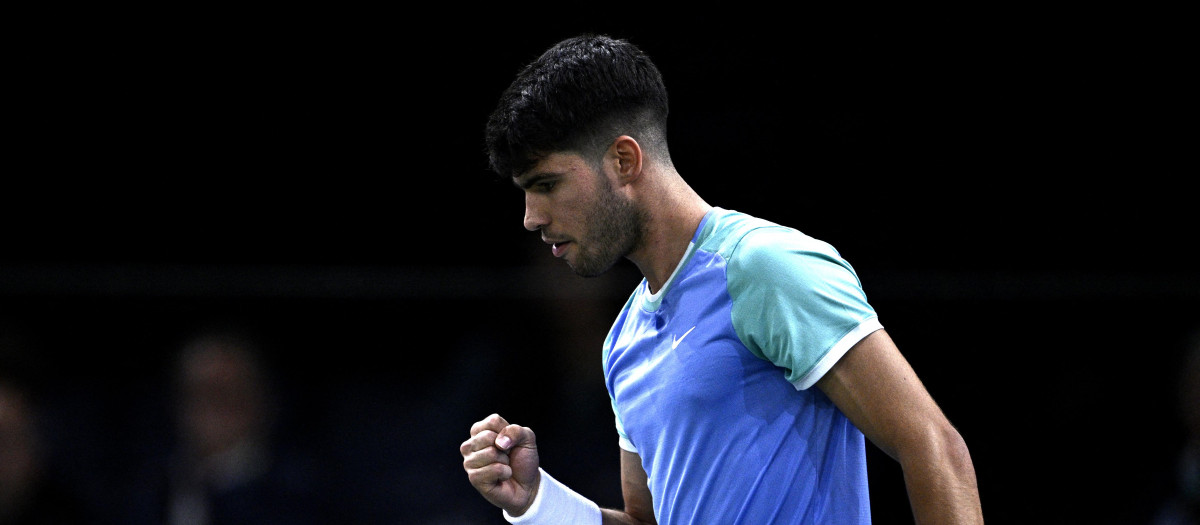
670	223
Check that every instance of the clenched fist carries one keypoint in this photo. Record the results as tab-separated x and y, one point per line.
501	461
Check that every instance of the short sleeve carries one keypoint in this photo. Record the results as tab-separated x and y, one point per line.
796	302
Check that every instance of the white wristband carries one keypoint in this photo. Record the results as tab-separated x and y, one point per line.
556	503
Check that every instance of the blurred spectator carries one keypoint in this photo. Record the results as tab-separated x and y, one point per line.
225	465
28	493
1182	506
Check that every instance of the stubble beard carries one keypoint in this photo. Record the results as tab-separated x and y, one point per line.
615	228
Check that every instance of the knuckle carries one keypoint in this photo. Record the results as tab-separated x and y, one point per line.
484	457
499	471
477	477
493	421
481	439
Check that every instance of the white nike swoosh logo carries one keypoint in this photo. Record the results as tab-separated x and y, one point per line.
675	341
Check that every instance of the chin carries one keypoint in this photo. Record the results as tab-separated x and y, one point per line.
589	270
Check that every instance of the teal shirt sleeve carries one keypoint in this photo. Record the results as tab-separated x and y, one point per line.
796	302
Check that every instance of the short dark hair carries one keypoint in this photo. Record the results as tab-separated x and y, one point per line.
579	96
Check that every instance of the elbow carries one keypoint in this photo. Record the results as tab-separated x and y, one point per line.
953	447
940	477
944	447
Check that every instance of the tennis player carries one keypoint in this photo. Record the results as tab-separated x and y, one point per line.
746	371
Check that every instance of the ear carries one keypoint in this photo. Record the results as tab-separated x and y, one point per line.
625	155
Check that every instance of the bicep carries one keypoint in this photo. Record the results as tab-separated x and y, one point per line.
877	389
880	393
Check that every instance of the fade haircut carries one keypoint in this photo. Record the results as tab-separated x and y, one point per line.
578	96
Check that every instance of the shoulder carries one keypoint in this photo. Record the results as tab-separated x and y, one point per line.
762	249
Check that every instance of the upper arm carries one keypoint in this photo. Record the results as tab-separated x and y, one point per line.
874	386
635	489
877	389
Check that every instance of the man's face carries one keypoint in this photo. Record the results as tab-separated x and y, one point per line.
586	222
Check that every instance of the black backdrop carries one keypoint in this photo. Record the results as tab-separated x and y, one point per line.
1008	186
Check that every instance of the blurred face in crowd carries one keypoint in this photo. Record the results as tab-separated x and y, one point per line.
222	397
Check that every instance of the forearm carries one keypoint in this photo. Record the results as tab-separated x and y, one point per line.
618	517
941	483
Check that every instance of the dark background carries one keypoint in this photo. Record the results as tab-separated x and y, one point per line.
1010	187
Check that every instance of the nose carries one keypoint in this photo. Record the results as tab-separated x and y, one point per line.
535	219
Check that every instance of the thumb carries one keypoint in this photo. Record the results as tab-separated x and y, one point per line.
513	436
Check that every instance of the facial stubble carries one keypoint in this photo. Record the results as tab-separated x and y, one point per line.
614	229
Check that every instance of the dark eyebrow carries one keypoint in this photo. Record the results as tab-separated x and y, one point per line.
531	180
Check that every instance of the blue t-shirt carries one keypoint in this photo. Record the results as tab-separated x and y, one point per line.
709	379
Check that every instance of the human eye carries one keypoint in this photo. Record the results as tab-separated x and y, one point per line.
540	183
